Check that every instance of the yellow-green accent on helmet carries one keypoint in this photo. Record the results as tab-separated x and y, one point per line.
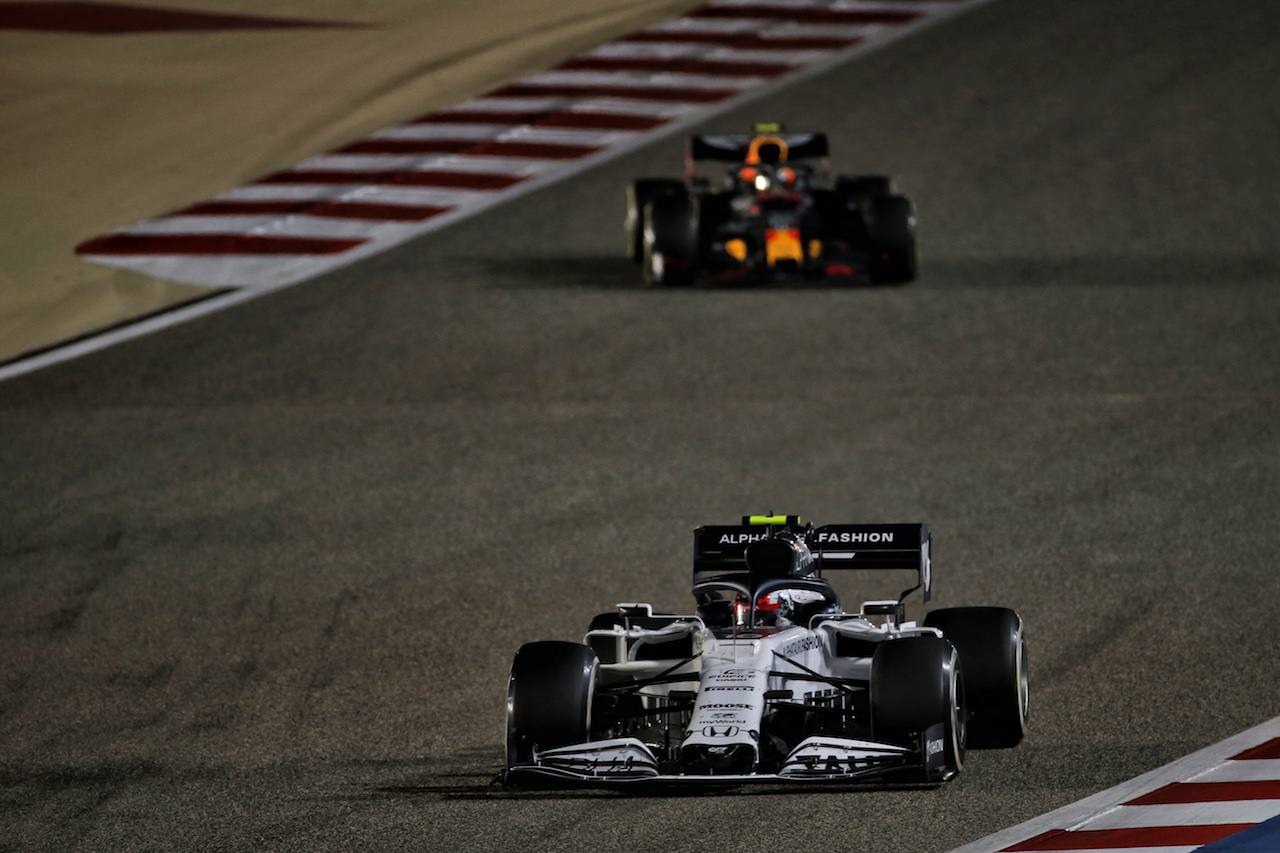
771	519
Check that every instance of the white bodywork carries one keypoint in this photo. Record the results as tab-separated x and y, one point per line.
733	676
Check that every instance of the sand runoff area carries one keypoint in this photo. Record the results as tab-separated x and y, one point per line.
104	129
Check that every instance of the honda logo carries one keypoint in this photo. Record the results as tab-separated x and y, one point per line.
720	731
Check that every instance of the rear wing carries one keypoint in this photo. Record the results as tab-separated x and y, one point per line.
721	549
875	546
734	147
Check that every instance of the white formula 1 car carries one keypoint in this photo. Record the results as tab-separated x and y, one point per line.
770	681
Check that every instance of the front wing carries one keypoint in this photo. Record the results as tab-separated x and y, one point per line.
628	761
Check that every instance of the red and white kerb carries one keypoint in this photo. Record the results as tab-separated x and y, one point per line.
1182	816
1222	799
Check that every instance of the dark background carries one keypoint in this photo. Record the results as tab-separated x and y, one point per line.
262	575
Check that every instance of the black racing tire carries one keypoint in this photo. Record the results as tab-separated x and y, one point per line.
892	229
916	684
639	194
606	649
670	240
605	620
994	656
833	219
549	697
861	187
860	192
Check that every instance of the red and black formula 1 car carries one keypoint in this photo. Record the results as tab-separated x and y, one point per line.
769	219
770	680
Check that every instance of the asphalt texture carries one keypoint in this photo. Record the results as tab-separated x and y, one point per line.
262	575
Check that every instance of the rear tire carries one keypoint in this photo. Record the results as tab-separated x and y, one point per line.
833	219
549	698
606	648
861	189
859	193
713	212
916	684
994	656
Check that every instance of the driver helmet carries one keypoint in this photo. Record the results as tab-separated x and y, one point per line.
774	608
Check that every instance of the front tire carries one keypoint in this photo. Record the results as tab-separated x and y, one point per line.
892	229
549	698
670	240
994	656
916	687
639	195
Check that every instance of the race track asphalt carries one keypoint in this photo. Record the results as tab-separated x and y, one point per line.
262	575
